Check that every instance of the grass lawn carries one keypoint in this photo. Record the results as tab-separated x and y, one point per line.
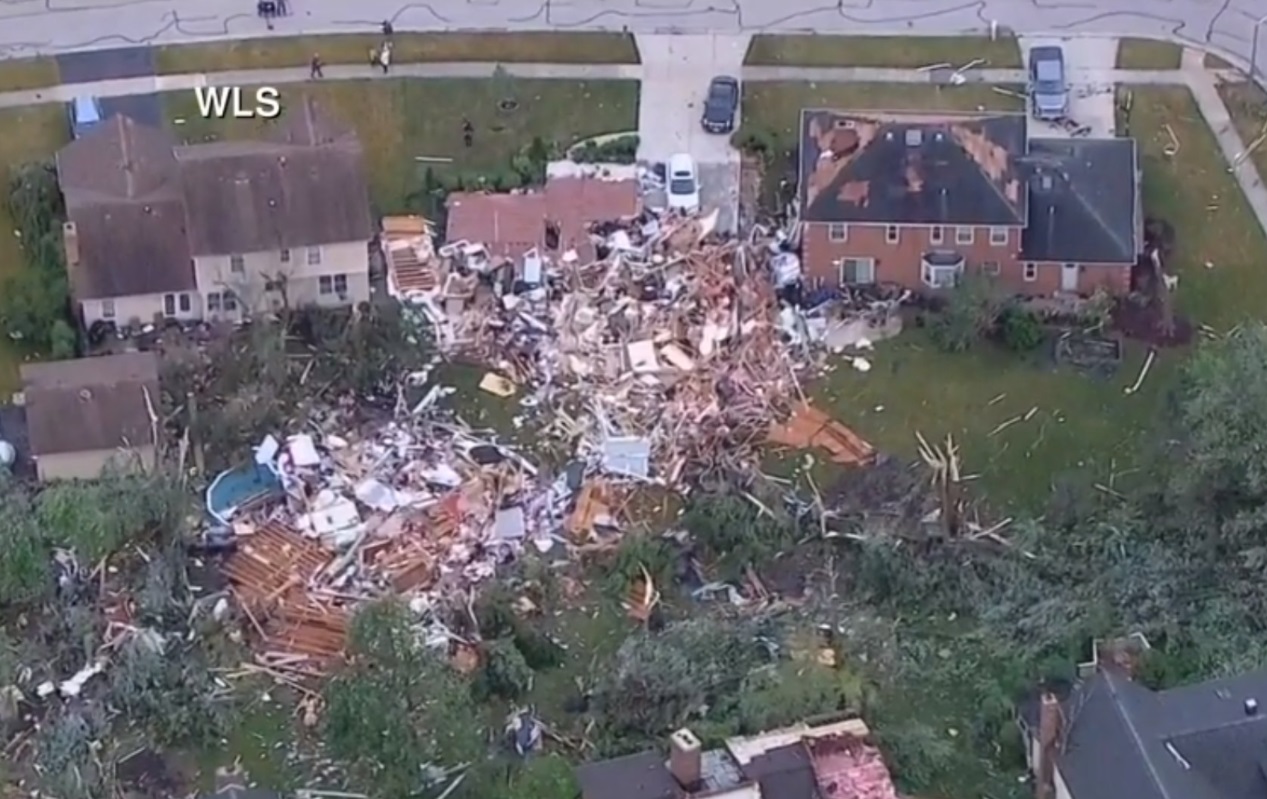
1213	61
1247	105
1148	54
18	74
400	120
1081	425
293	51
814	50
31	133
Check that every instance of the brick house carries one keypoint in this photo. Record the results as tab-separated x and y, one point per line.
918	199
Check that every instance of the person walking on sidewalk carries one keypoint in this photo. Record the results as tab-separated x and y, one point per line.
385	56
315	66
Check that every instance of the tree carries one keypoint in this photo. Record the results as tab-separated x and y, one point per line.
36	298
505	674
972	312
795	690
397	707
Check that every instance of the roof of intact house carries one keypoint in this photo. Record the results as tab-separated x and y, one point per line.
1083	201
121	159
509	225
1194	742
912	168
89	404
638	776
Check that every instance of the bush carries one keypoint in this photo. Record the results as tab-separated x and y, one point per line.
971	312
619	150
1021	330
753	141
506	674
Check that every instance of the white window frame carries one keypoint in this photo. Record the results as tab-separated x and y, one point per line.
237	264
183	303
991	268
860	265
213	302
837	231
325	285
1029	272
284	256
929	273
169	305
964	235
314	256
107	309
936	234
998	237
229	301
892	234
341	278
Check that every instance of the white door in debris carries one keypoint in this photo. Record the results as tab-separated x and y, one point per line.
1069	277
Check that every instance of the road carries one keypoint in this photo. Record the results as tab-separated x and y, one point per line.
52	26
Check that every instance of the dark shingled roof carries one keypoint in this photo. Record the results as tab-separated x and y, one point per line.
120	159
90	404
1194	742
640	776
1083	202
243	197
128	248
912	168
786	773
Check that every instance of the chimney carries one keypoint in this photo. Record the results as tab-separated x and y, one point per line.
1251	707
1050	723
684	759
70	240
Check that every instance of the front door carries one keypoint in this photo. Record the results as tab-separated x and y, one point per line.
1069	277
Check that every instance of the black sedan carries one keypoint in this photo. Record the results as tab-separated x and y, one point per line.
721	105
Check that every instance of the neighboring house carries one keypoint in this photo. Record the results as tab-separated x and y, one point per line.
86	414
918	199
157	230
553	221
830	761
1112	738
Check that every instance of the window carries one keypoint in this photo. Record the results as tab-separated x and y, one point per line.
185	304
274	285
963	235
998	236
837	231
941	276
990	268
237	264
1031	273
936	235
285	256
857	270
341	285
107	309
333	284
169	304
325	284
213	302
230	301
891	234
314	256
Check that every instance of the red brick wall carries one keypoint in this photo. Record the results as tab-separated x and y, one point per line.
900	263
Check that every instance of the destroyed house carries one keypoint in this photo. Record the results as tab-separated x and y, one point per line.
159	230
831	761
919	199
1111	737
553	221
89	413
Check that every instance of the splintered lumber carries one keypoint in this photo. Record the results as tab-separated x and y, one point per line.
643	597
810	428
1143	373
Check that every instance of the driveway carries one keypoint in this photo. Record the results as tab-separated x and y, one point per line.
1088	63
121	63
676	72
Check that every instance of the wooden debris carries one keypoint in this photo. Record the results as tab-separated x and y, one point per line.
810	428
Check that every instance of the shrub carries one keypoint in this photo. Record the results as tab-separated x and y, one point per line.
754	141
971	312
619	150
1020	329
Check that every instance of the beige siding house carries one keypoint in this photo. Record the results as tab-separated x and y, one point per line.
158	230
87	414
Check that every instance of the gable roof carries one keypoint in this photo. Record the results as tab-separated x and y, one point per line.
1194	742
1083	201
638	776
88	404
119	159
912	168
130	248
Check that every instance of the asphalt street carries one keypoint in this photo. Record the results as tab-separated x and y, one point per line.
52	26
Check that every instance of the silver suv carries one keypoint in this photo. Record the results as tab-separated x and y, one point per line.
1048	94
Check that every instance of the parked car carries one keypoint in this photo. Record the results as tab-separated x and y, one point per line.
683	184
1049	95
85	114
721	105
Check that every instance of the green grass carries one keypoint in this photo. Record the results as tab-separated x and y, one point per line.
1247	105
1135	53
814	50
1213	61
296	51
19	74
1081	425
401	120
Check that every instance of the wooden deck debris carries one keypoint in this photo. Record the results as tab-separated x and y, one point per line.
810	428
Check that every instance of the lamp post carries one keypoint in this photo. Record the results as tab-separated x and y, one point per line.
1253	48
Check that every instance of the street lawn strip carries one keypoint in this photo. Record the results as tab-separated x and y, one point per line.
1247	106
1136	53
1213	61
20	74
29	133
353	48
400	121
825	50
